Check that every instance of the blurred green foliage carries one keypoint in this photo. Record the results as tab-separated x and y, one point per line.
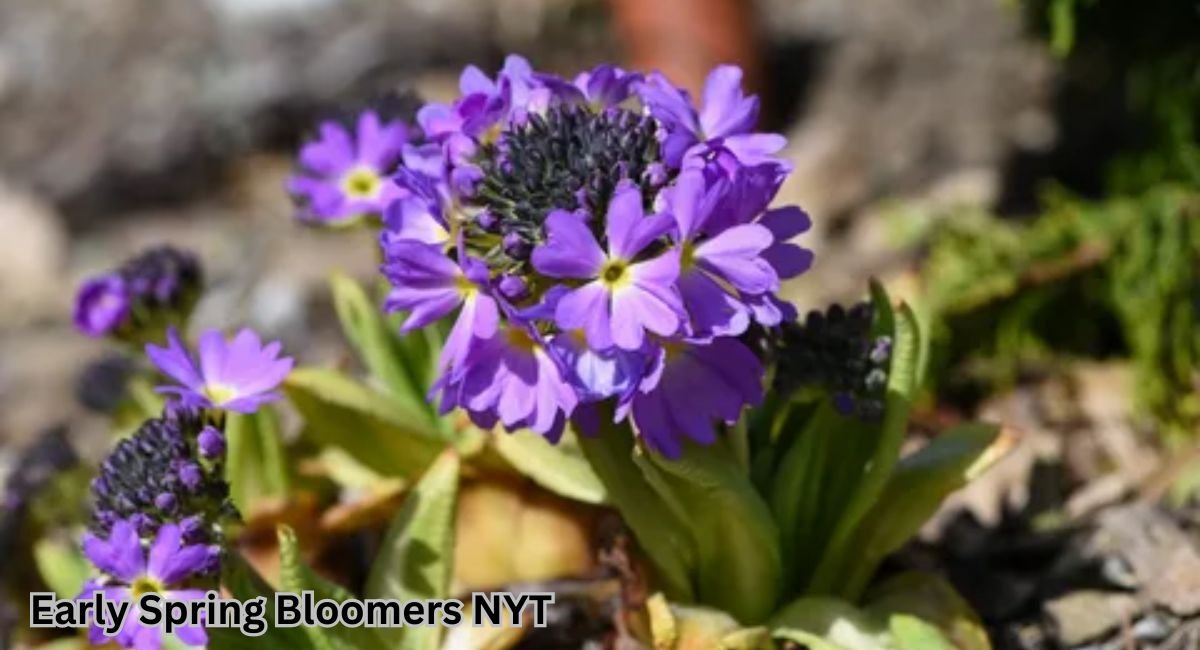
1114	276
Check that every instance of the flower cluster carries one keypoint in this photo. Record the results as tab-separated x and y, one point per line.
835	351
159	505
160	501
145	295
602	241
170	470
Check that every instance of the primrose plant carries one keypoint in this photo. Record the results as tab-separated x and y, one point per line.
582	276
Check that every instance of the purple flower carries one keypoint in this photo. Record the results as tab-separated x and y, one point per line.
132	572
431	285
484	101
601	87
211	442
688	387
101	305
624	298
140	299
720	266
238	375
419	214
722	125
511	378
343	173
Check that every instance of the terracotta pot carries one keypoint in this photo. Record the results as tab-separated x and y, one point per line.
685	38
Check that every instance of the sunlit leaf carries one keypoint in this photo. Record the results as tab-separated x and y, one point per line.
660	531
868	461
912	603
61	565
377	431
416	556
560	468
915	490
244	583
399	364
296	577
739	568
256	466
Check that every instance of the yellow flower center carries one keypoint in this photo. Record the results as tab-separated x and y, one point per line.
687	257
465	287
520	339
219	393
145	585
362	183
615	274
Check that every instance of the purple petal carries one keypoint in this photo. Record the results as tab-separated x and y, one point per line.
735	255
175	362
570	250
627	229
586	308
726	112
712	311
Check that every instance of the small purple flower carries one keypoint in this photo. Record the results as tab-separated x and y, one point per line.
723	124
238	375
132	573
211	442
511	378
344	172
484	101
623	297
688	387
431	285
721	266
101	305
601	87
419	215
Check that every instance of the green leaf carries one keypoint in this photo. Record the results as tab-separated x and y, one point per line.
296	577
911	633
256	466
824	623
739	568
915	490
377	431
62	565
560	468
660	531
416	558
244	583
401	364
932	603
867	460
911	611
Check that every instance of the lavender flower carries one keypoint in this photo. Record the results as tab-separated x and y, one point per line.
101	305
344	172
623	298
511	378
597	239
689	386
722	126
238	375
431	286
136	302
131	572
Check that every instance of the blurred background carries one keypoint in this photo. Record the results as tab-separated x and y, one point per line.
1026	170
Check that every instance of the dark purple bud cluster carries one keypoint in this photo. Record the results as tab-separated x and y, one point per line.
169	471
139	300
835	351
570	158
